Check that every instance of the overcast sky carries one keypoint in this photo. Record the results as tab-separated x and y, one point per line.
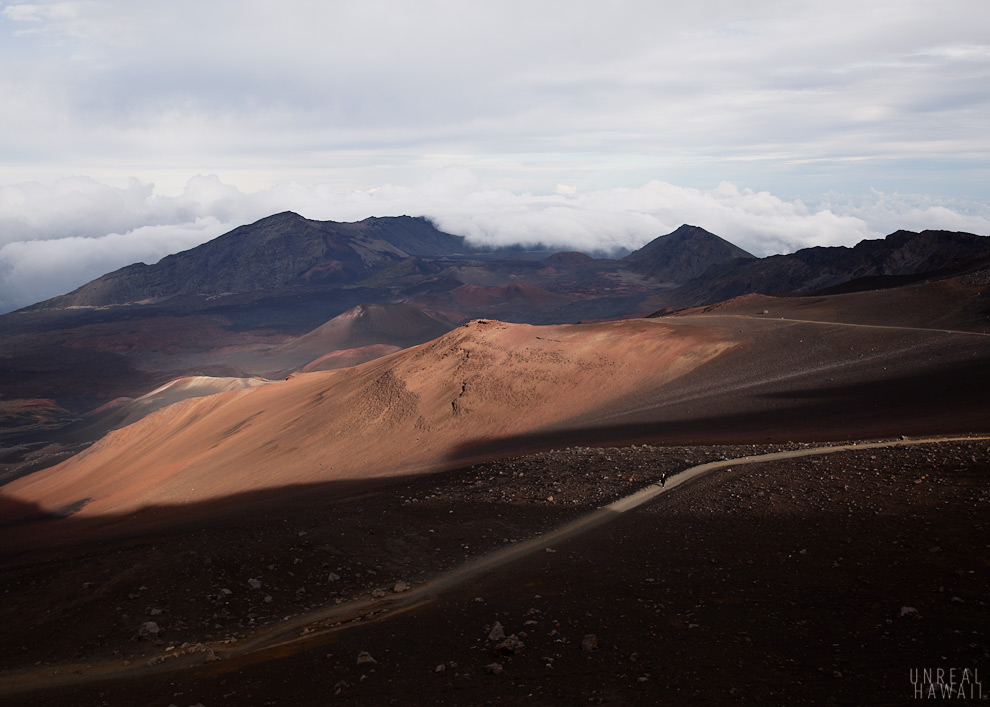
130	130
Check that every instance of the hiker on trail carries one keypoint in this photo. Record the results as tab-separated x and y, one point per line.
663	478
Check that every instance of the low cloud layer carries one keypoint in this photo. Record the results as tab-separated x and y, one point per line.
55	237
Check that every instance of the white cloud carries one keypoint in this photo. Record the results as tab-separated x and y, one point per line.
60	235
378	91
31	271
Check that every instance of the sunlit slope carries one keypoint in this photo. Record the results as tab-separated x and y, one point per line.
406	412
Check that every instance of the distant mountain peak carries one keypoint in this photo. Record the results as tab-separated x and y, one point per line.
683	254
278	251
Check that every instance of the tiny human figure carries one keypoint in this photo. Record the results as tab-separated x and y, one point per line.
663	478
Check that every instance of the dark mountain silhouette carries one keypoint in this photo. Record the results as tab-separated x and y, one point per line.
683	255
283	250
901	257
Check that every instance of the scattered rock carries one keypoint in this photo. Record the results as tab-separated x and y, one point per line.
149	630
497	633
378	593
908	611
589	643
364	658
255	584
333	577
510	646
494	669
400	587
440	668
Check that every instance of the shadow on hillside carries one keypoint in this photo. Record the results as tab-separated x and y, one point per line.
946	400
26	526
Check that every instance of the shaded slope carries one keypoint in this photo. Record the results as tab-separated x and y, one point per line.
508	298
959	303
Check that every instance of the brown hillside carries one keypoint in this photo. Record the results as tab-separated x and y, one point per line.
411	411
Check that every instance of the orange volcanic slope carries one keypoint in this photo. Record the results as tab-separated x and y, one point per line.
406	412
348	357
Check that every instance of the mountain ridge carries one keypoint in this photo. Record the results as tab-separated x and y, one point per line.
83	350
280	250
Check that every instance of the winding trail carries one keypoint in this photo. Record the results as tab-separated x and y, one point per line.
771	318
315	627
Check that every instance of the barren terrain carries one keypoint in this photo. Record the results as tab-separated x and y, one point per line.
780	582
354	536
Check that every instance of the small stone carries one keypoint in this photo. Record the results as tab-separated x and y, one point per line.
400	587
908	611
510	646
211	657
333	577
149	630
268	598
378	593
497	633
494	669
364	658
440	668
255	584
589	643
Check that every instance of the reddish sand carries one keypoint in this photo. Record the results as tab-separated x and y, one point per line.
347	358
395	325
412	411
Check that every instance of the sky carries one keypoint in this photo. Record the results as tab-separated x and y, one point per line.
132	130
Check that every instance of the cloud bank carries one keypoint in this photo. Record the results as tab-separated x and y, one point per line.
55	237
793	97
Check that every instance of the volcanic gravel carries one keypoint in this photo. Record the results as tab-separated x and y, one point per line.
806	581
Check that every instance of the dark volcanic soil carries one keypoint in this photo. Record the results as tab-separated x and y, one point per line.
825	579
